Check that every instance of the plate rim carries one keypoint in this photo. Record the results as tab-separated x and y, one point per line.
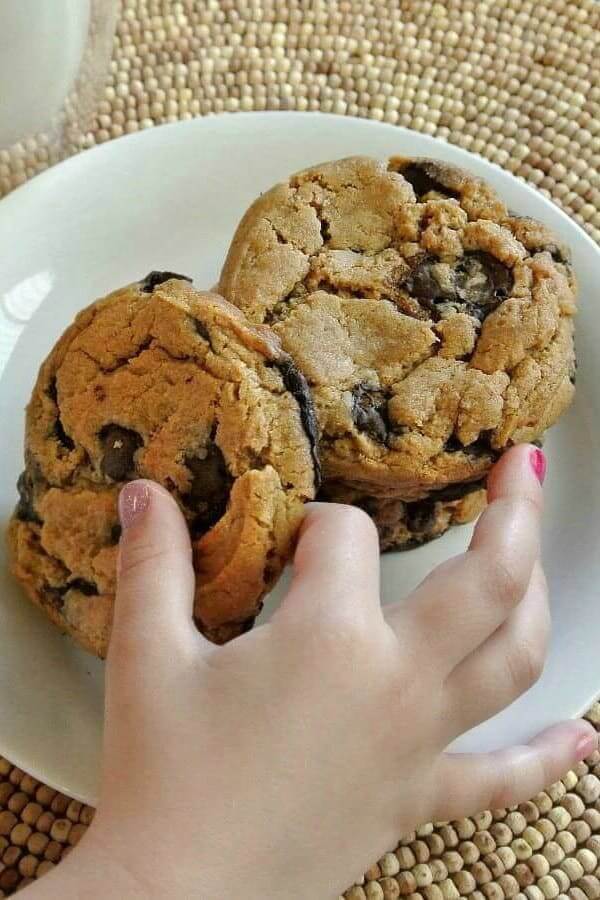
107	147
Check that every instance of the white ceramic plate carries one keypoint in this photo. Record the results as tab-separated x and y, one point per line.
170	198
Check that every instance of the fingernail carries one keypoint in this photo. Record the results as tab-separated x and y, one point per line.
539	464
586	746
134	500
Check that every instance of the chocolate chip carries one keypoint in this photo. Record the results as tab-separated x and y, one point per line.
426	176
477	283
458	491
483	447
115	534
210	487
325	230
420	515
480	447
119	446
295	382
483	281
56	595
84	587
369	412
425	282
453	445
26	506
52	391
153	279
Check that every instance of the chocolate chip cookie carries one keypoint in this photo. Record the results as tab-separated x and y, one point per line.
434	327
160	381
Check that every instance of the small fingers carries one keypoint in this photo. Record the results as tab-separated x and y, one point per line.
466	599
470	782
336	568
504	666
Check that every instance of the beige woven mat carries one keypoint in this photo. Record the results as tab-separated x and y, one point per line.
514	80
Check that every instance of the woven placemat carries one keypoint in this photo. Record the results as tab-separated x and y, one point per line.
514	80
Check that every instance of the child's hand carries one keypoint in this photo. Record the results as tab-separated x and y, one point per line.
283	764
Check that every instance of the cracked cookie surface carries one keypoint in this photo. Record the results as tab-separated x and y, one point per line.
160	381
434	328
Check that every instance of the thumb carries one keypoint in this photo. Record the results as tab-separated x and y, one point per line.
155	578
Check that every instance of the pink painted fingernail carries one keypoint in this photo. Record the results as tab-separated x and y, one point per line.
586	746
134	500
539	464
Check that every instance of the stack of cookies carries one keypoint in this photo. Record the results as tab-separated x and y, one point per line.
388	330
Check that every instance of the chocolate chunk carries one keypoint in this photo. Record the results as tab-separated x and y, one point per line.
153	279
420	515
453	445
480	447
115	534
119	446
426	283
295	382
56	595
483	281
26	506
369	412
52	391
426	176
325	230
210	487
477	283
458	491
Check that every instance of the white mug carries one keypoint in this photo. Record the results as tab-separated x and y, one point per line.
42	46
